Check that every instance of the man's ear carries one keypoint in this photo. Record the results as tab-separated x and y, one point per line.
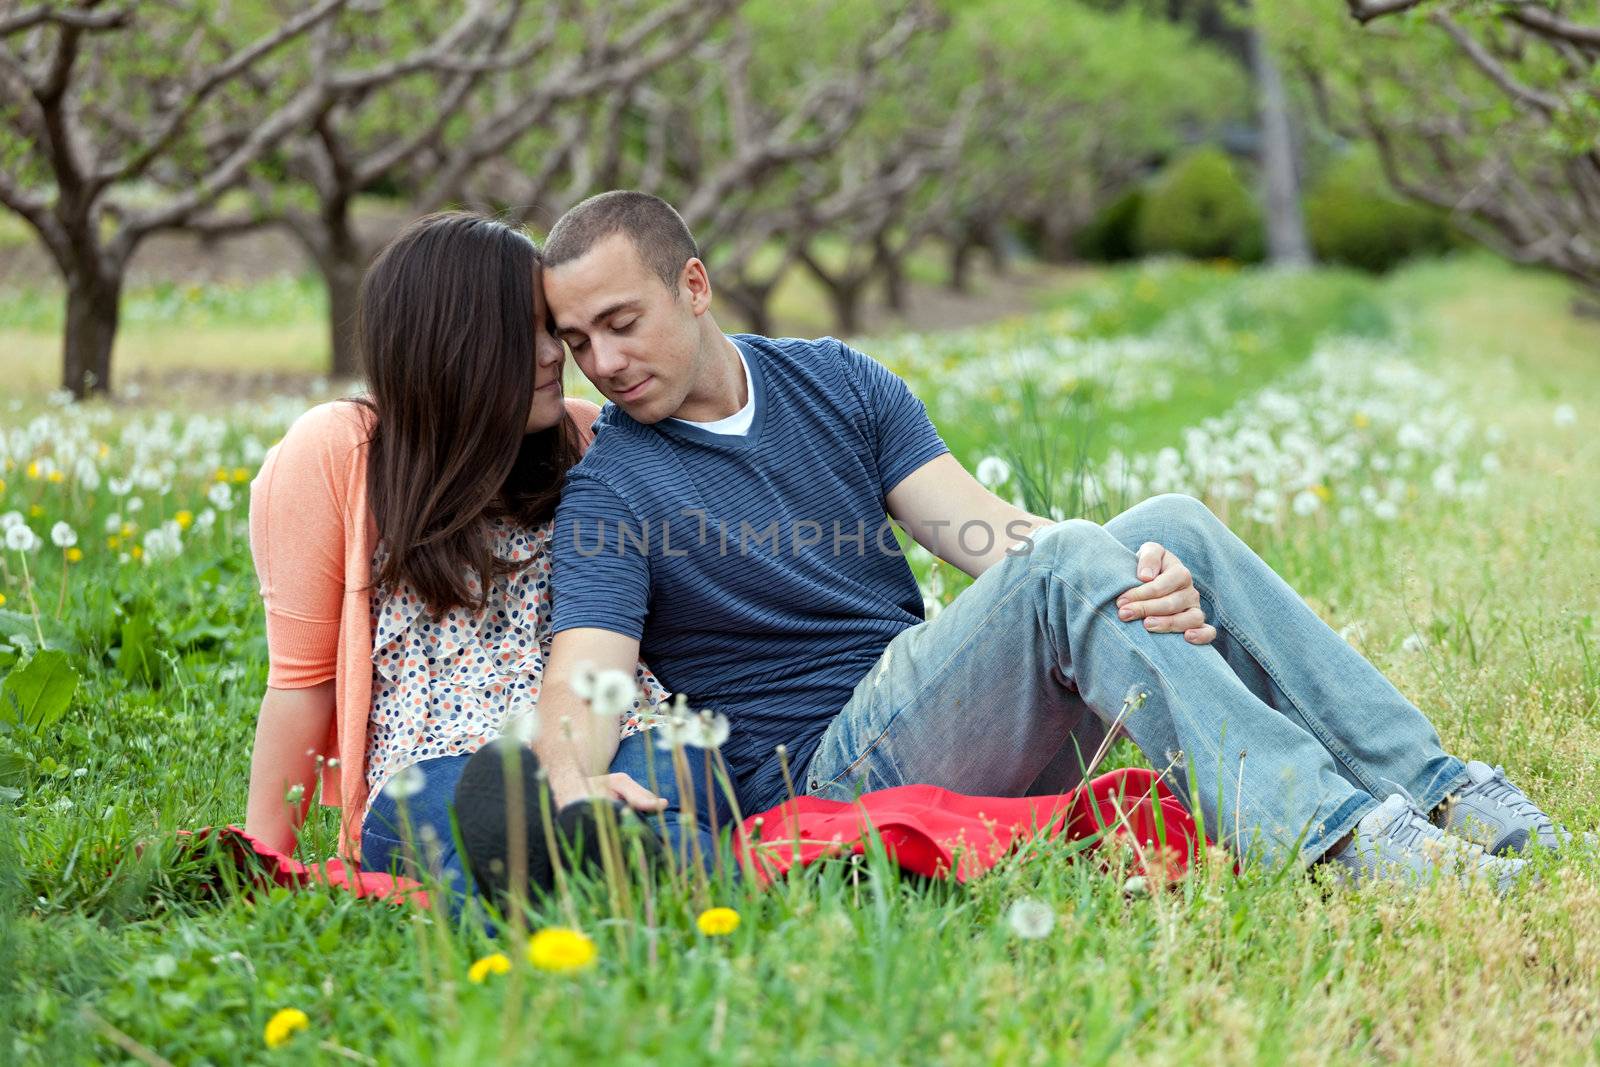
696	283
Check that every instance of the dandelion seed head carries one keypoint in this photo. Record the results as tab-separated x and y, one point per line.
1030	919
993	471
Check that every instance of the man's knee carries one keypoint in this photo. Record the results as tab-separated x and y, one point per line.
1177	510
1178	522
1085	553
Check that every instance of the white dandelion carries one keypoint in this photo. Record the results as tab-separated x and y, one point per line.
406	783
612	692
1566	415
21	538
1306	503
708	729
523	728
993	471
1413	643
63	536
1031	919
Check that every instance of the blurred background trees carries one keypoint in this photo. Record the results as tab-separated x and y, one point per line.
871	148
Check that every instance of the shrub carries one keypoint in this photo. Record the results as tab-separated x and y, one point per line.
1354	219
1200	207
1113	234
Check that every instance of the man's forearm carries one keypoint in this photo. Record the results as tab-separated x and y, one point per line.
978	544
573	743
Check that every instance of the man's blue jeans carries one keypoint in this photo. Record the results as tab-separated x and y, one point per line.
1284	733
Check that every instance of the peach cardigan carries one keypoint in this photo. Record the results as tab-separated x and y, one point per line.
312	538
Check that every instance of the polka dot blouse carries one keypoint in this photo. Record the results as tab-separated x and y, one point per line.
445	686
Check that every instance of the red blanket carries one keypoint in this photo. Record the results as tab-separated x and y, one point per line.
937	833
924	829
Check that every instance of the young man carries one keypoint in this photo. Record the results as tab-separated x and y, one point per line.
729	525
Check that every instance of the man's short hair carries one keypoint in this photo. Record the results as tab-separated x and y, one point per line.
657	231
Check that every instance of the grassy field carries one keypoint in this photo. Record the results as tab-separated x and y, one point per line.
1411	453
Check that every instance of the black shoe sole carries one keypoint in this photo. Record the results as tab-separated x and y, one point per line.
482	818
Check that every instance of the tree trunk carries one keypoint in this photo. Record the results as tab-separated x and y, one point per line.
891	268
961	249
93	310
341	258
343	279
844	294
752	302
993	239
1287	245
1055	237
845	299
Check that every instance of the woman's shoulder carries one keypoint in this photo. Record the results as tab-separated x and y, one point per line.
331	432
583	415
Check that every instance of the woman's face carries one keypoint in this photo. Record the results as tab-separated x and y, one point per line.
548	356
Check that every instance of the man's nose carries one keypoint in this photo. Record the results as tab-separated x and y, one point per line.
609	360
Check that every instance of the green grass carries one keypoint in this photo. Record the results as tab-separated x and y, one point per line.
845	964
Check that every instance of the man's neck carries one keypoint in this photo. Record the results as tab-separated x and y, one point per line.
720	391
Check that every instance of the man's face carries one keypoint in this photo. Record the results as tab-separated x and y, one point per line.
636	340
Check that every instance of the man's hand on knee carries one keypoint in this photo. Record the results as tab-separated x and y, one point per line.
1166	598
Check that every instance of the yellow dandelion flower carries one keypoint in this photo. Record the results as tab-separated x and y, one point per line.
184	519
113	543
283	1026
718	922
1361	420
35	511
2	485
138	552
103	451
74	555
494	963
1322	491
33	469
56	477
221	475
126	530
561	950
2	600
241	474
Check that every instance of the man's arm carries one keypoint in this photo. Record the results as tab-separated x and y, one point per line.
574	745
951	514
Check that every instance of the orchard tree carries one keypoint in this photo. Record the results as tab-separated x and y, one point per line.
545	71
739	136
126	120
1487	110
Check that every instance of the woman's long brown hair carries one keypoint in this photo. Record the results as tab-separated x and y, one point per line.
445	327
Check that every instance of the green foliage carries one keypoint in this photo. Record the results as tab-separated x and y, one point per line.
1354	219
36	695
1200	207
1113	234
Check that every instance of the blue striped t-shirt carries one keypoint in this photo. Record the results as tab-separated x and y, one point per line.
759	572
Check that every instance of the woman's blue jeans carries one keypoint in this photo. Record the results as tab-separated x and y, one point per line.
416	835
1284	733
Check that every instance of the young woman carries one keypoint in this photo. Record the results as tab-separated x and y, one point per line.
401	542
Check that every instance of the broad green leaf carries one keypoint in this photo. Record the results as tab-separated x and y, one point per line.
36	695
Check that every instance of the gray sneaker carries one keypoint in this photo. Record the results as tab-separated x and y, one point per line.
1492	812
1395	842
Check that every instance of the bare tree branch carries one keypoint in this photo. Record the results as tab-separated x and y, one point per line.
1546	102
50	14
1365	11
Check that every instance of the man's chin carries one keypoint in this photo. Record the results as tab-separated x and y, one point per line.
644	414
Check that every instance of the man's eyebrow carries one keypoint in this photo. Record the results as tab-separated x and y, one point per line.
601	315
